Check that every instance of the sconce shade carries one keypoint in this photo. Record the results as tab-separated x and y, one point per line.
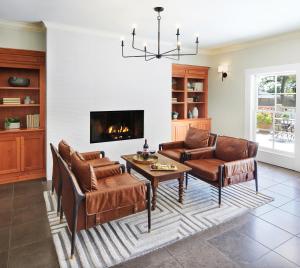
223	68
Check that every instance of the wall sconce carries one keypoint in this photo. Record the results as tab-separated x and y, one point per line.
223	69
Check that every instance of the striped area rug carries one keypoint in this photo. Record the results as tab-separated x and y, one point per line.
126	238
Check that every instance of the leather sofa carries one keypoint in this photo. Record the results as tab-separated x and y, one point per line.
92	196
232	161
195	140
95	158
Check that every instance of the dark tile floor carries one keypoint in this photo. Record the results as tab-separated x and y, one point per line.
268	236
25	239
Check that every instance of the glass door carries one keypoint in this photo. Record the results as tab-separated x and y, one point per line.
276	111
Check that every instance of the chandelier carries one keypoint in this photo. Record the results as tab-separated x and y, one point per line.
173	54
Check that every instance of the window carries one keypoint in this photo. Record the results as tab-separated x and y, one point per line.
276	111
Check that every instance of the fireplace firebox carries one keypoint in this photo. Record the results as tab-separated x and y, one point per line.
116	125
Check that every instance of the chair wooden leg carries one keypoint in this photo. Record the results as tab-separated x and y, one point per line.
255	176
52	190
149	206
74	226
58	204
186	180
220	195
220	183
61	213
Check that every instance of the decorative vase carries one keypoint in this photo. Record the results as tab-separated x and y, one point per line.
195	112
18	81
175	115
27	100
190	115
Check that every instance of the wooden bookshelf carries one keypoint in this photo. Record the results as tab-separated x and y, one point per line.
184	81
22	150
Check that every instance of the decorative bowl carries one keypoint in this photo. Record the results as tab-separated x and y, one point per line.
18	81
140	159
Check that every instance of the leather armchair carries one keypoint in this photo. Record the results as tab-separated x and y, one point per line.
96	159
113	194
231	161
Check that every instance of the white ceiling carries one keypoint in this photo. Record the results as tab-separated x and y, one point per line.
218	22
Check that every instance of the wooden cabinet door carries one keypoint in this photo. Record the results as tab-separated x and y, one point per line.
10	154
180	132
32	152
201	124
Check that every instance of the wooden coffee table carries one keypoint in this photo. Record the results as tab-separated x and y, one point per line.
158	176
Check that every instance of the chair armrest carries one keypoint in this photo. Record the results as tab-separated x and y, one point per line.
201	153
239	166
93	155
104	163
171	145
107	171
212	139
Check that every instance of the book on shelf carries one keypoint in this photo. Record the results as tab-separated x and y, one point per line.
198	86
11	101
33	121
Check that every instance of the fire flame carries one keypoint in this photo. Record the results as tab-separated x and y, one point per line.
113	129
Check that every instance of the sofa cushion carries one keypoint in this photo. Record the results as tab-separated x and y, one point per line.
231	149
208	169
84	173
115	192
65	151
196	138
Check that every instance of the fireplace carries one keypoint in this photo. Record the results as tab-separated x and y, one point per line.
116	125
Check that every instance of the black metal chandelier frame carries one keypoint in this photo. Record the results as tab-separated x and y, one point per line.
173	54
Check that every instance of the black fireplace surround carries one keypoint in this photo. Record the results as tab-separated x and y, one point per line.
116	125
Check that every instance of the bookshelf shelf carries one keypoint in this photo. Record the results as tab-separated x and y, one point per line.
190	89
23	151
18	105
21	130
19	88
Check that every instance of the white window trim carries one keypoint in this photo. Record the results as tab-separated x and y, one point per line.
250	107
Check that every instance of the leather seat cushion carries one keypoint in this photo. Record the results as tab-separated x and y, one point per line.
205	168
231	149
115	192
65	151
173	154
84	173
196	138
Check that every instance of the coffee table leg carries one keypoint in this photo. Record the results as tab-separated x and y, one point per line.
154	185
128	167
180	188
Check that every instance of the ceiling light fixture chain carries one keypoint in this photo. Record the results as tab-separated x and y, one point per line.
173	54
